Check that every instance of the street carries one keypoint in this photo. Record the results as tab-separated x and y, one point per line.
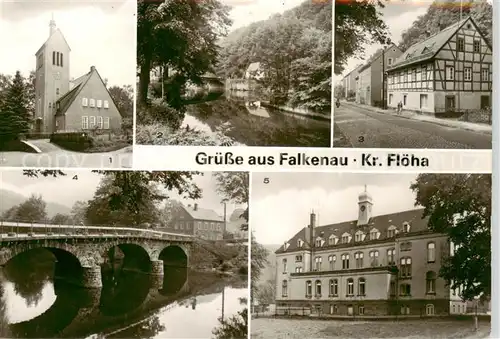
359	127
54	156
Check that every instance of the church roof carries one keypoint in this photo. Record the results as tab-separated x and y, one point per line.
428	48
67	99
45	43
381	223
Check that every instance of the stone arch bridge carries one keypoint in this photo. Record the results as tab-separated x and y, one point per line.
81	250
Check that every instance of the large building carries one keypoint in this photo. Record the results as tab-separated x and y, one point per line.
65	105
200	222
349	82
374	266
371	88
449	71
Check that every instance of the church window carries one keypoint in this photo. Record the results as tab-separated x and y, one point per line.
92	122
50	105
85	102
106	104
58	56
106	123
92	102
99	122
53	58
61	60
85	122
99	103
57	91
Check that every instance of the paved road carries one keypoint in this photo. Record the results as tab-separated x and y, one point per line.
53	156
364	128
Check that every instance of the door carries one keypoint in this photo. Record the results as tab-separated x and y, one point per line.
350	310
485	101
449	103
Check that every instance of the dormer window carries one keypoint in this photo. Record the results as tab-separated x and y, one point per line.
374	234
285	246
300	243
319	242
345	239
406	227
359	236
333	240
391	232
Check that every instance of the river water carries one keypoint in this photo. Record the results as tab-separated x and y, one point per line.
241	116
184	304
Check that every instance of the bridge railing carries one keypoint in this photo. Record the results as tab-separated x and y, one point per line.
15	230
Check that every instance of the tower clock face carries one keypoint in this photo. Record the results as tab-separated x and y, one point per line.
57	75
363	208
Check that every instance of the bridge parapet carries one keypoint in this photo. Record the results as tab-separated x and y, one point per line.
22	230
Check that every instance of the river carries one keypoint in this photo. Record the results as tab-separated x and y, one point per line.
243	117
184	304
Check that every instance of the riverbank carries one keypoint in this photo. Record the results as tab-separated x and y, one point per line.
298	111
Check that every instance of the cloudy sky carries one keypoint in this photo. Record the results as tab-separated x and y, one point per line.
244	12
281	208
100	33
398	16
66	190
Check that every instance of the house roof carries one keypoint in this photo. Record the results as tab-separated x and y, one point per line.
381	223
67	99
374	57
254	66
203	214
428	48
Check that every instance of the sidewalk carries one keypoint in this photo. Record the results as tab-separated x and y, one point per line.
468	126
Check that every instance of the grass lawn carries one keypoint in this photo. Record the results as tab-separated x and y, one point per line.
263	328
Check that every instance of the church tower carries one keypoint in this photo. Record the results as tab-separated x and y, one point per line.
52	78
365	204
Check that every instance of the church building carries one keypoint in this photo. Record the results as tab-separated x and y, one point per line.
384	265
64	105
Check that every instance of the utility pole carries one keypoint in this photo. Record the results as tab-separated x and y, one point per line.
223	290
225	221
383	78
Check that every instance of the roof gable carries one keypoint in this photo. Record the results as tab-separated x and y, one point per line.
429	47
203	214
382	224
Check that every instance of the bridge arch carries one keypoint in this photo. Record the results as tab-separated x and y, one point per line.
135	256
174	256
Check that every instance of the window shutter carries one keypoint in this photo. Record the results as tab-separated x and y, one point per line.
106	104
92	102
99	122
99	103
85	122
106	123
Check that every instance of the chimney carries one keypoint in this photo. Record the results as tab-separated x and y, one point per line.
92	68
195	207
189	205
427	33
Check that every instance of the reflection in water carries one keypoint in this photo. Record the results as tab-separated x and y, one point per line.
252	124
130	304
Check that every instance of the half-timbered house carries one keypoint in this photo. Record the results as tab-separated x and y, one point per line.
450	71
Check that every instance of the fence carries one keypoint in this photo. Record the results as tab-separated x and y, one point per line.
481	116
22	230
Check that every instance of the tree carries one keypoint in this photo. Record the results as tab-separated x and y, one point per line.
123	97
459	205
61	219
32	210
235	326
444	13
5	83
357	23
78	212
29	84
234	187
131	192
181	35
170	212
339	91
15	117
266	292
257	263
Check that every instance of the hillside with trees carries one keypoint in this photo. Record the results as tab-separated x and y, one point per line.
445	13
294	52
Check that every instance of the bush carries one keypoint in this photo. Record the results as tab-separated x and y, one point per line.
159	112
38	136
74	141
15	146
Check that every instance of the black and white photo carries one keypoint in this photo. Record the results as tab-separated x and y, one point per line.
67	83
123	254
413	74
371	255
234	73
